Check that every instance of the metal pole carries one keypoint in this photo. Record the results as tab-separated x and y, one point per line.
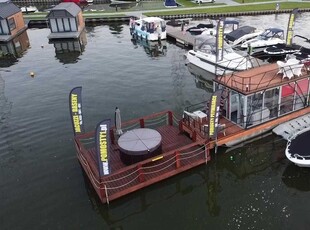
106	194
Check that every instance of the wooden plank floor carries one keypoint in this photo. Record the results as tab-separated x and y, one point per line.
182	37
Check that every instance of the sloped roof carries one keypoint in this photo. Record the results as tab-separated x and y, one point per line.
64	10
8	9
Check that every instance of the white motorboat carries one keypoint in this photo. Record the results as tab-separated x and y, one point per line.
149	28
241	35
297	148
229	26
204	56
29	9
269	37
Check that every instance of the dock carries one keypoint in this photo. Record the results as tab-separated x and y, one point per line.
180	37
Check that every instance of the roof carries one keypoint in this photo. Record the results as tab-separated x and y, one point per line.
64	10
7	9
152	19
275	30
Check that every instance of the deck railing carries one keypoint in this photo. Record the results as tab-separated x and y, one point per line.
265	76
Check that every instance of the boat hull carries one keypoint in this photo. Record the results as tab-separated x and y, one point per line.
208	63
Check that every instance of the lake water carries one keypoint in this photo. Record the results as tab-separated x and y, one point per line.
42	185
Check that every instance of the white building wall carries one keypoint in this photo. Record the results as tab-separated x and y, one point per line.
73	24
53	25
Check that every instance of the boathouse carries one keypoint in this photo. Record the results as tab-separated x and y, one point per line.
12	50
11	21
65	21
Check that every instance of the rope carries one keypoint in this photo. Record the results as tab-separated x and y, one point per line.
184	158
156	119
153	166
131	126
123	185
186	153
146	173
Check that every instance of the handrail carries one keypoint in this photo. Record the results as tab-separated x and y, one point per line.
243	80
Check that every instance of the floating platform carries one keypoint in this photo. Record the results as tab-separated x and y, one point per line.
183	38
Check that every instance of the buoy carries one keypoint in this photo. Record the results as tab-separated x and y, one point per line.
31	74
42	46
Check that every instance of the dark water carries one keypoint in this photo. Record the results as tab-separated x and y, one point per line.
42	185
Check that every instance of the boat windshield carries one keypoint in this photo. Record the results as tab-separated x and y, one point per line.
267	34
209	45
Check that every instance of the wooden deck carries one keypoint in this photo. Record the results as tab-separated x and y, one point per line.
185	145
257	79
179	153
182	37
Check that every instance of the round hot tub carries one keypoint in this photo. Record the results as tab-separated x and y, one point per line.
139	144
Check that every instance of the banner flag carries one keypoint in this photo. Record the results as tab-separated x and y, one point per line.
75	104
220	40
290	27
103	146
214	110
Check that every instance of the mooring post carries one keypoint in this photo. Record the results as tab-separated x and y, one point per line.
177	159
142	123
140	173
106	194
170	118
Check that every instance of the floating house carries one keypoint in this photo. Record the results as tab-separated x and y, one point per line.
69	50
65	21
14	49
11	21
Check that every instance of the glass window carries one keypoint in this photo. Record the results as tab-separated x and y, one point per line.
271	101
12	24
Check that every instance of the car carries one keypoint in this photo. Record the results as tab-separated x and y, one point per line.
203	1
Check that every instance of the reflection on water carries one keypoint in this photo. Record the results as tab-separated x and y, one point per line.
151	48
203	78
254	156
296	177
14	49
68	50
116	27
210	181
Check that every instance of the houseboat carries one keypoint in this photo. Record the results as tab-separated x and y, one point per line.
122	158
14	49
65	21
69	50
11	21
149	28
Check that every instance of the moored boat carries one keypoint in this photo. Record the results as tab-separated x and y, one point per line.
29	9
204	55
122	158
149	28
297	149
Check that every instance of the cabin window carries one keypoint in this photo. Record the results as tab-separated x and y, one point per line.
236	108
256	113
1	29
12	24
271	101
302	89
287	98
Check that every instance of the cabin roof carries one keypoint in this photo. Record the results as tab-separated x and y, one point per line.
64	10
257	79
7	9
152	19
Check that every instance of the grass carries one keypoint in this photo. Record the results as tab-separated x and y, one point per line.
232	9
199	9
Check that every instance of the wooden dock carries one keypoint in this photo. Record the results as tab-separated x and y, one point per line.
180	37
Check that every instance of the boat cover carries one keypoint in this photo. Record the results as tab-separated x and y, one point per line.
170	3
238	33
